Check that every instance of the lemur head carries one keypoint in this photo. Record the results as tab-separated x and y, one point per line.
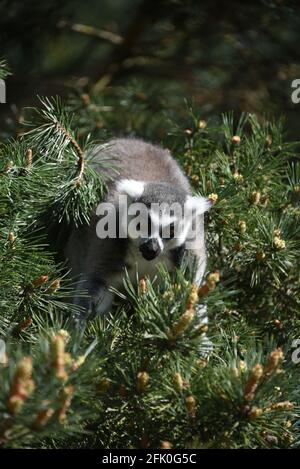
160	217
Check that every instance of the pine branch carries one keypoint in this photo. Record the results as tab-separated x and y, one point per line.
103	35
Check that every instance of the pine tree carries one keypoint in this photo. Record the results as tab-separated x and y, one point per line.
138	378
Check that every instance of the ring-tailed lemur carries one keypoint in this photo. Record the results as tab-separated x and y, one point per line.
147	175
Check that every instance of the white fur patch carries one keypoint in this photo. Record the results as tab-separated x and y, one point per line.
160	243
130	187
197	203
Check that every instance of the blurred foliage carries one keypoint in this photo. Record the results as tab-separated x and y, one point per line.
227	55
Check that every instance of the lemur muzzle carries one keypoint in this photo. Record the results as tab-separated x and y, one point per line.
150	249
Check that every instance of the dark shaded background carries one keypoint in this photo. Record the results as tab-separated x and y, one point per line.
227	55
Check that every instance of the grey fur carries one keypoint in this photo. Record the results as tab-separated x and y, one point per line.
101	263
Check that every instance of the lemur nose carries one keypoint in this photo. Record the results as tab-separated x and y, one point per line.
150	249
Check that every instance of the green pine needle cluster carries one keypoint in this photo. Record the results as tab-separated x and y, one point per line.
140	378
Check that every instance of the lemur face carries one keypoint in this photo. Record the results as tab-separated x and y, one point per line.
159	216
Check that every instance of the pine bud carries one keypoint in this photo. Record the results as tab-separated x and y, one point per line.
25	324
182	324
296	189
22	385
273	361
284	405
67	358
143	286
64	335
15	404
190	402
65	398
24	369
77	363
213	197
260	256
193	297
288	437
279	243
142	381
200	330
42	418
195	179
188	168
242	226
239	178
277	232
212	279
242	366
236	139
269	140
29	158
203	290
252	382
201	362
257	372
255	198
40	280
178	382
278	324
202	124
238	247
254	413
58	356
11	237
54	286
168	295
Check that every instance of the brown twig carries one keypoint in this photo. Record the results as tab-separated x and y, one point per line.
145	14
77	148
102	34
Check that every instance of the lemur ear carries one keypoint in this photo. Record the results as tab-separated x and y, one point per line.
198	204
130	187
